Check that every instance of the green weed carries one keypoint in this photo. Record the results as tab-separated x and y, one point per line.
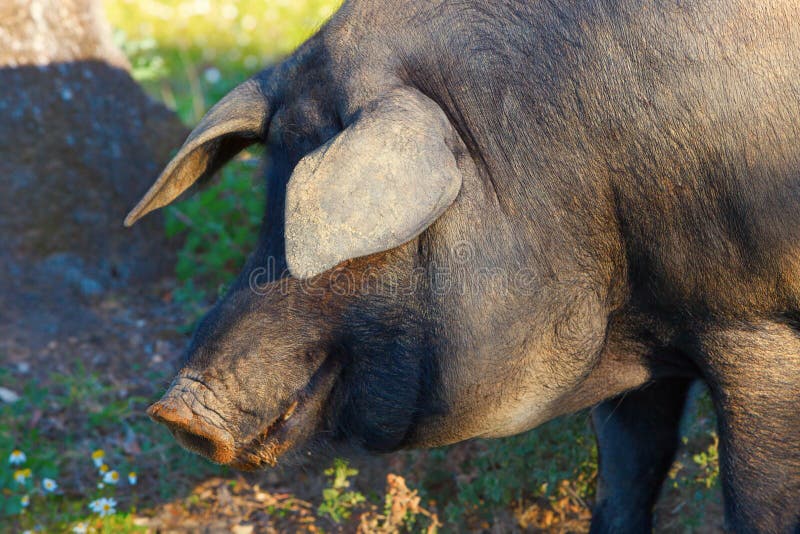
219	227
337	500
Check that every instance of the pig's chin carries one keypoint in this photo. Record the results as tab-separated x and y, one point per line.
292	428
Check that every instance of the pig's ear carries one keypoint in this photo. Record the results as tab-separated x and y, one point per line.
236	122
375	186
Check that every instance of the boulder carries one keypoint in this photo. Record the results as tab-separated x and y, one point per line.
80	141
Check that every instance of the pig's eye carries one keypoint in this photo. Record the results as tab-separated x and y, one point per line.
314	356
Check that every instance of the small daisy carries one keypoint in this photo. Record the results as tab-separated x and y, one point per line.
112	477
104	506
132	478
17	457
49	485
103	469
21	475
25	500
98	457
100	485
80	528
94	506
108	507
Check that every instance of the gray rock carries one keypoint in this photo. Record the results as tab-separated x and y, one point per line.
79	142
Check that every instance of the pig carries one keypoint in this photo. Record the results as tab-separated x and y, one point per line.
483	215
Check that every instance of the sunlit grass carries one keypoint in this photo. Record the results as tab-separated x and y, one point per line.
207	46
227	30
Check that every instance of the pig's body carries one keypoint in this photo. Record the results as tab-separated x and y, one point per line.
585	199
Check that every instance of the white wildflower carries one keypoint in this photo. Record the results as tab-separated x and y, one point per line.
98	457
112	477
22	475
17	457
104	506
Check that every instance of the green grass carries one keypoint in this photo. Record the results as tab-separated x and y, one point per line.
175	45
219	227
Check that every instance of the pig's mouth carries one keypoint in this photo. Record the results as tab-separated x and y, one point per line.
208	436
294	426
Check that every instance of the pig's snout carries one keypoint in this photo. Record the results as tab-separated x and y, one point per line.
192	423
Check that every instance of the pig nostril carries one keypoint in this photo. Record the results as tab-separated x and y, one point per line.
196	443
193	432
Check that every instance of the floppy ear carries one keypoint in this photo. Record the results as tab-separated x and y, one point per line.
229	127
373	187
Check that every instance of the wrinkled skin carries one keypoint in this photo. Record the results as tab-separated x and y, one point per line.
625	224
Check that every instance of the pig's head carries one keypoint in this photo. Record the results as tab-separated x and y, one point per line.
336	330
324	333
